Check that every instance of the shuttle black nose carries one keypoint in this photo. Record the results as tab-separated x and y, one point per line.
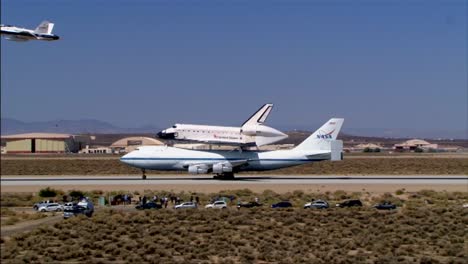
165	135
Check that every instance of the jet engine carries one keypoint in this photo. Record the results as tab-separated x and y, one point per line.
220	168
197	169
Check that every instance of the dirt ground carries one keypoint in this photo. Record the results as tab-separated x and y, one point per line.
279	188
25	226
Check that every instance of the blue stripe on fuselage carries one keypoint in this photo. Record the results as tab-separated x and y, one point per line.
220	159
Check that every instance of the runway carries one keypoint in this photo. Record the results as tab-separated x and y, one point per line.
117	180
255	183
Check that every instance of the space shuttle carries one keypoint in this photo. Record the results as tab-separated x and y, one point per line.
253	132
42	32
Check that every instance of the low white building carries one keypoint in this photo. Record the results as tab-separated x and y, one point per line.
96	150
129	144
414	144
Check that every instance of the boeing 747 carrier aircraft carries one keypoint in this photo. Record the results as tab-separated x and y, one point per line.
42	32
321	145
253	132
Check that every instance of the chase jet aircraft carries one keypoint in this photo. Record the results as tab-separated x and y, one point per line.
42	32
321	145
252	133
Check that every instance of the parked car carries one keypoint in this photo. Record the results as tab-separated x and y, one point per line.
186	205
86	203
249	205
42	203
77	210
52	207
385	206
318	204
350	203
68	206
217	204
149	205
284	204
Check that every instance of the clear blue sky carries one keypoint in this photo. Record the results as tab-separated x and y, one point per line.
378	64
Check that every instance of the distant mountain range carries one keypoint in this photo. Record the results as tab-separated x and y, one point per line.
84	126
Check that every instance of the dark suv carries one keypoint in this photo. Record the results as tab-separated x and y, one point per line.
149	205
385	206
350	203
284	204
249	205
77	210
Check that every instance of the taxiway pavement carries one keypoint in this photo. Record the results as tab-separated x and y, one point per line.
204	183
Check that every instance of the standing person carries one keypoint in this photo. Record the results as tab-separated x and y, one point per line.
139	199
197	199
144	200
165	202
256	199
191	198
125	198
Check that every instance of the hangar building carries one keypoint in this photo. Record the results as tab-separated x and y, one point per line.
414	144
40	143
131	143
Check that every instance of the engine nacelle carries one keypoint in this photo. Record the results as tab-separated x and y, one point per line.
197	169
220	168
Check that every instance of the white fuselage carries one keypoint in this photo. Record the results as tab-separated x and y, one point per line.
170	158
257	135
24	34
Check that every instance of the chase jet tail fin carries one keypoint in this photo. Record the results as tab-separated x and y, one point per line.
45	28
260	116
328	132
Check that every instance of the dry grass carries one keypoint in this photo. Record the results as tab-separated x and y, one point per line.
356	166
419	232
12	217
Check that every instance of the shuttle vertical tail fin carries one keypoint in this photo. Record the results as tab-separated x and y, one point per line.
259	117
45	27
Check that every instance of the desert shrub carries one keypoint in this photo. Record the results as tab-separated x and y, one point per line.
11	220
418	150
341	195
400	191
48	192
76	194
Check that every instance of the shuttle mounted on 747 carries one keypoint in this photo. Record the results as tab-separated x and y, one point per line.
321	145
253	132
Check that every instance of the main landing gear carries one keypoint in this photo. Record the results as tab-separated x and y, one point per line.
224	176
143	177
